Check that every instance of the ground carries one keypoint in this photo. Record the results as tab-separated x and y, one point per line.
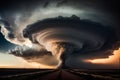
59	74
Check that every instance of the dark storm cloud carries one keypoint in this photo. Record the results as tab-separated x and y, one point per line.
76	62
18	51
5	25
32	4
33	55
99	7
97	40
87	37
6	29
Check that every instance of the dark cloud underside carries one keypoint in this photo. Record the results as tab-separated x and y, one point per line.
66	30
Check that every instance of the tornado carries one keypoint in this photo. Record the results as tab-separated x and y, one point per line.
67	36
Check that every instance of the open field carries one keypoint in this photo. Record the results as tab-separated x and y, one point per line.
59	74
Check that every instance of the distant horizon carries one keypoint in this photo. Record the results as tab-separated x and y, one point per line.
13	67
53	34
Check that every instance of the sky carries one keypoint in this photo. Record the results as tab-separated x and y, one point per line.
59	33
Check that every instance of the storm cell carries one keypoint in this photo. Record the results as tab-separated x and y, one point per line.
68	36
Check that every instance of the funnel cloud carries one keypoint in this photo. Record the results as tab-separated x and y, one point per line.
59	33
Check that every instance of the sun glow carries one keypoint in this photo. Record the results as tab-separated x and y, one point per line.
113	59
10	61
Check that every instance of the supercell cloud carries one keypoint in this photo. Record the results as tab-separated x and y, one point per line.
69	36
57	33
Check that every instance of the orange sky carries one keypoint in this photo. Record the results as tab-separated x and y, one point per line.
113	59
9	61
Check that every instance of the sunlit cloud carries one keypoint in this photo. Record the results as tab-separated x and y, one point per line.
11	61
112	59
